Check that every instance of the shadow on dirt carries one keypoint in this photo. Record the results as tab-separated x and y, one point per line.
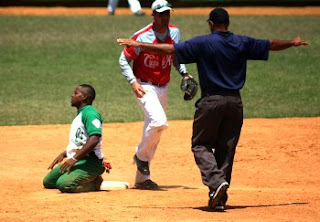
177	186
233	207
166	188
205	208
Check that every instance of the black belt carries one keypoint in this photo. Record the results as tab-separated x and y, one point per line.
221	92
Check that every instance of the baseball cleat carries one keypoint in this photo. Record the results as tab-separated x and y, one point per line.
147	185
142	166
216	196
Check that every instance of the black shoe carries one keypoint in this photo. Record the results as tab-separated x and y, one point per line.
147	185
216	196
139	13
222	203
111	12
142	166
220	206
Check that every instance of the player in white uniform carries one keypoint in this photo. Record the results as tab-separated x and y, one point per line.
81	171
149	78
135	7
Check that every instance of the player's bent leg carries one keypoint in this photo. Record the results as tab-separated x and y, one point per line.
149	143
153	106
77	181
51	178
82	178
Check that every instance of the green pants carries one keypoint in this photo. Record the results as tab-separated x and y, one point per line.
80	179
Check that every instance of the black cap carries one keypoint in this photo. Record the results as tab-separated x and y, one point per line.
219	16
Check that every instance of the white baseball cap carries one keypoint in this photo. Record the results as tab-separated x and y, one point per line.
161	6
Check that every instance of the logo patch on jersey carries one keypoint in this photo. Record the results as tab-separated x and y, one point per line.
152	61
80	138
96	123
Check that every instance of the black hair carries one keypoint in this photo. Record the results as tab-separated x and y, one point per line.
90	91
219	16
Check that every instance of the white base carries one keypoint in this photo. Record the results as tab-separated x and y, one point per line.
114	185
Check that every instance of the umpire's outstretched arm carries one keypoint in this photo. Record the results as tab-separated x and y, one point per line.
160	47
275	45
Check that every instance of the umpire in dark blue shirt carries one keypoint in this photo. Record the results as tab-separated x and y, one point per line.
221	59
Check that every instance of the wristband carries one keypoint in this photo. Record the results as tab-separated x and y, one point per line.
183	74
74	159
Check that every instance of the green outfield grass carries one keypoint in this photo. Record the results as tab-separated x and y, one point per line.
43	59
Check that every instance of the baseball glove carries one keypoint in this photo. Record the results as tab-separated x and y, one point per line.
189	86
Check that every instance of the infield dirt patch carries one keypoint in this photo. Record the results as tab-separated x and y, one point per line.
276	175
177	11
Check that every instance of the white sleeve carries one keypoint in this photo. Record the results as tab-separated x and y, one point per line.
126	69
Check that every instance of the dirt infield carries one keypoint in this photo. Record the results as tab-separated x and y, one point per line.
276	172
276	175
177	11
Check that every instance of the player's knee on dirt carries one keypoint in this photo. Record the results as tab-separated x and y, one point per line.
49	184
72	188
76	183
67	184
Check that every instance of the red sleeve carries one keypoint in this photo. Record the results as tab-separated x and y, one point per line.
130	53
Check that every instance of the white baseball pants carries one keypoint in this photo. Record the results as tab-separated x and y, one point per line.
154	105
134	5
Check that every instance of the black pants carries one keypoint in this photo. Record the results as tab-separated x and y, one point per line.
216	130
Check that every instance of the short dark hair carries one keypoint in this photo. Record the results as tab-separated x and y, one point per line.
89	90
219	16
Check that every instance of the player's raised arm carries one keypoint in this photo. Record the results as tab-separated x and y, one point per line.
160	47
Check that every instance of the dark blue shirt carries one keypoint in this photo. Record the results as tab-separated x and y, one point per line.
221	58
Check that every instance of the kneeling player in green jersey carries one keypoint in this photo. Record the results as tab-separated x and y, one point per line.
81	170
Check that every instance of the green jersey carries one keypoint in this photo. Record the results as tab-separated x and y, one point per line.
88	122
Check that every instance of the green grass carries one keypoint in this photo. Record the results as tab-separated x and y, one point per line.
43	59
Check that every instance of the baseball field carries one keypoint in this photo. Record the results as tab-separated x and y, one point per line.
276	173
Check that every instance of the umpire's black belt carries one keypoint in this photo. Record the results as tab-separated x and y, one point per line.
221	92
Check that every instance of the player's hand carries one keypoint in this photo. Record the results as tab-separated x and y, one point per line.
137	89
128	42
67	165
57	160
297	41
